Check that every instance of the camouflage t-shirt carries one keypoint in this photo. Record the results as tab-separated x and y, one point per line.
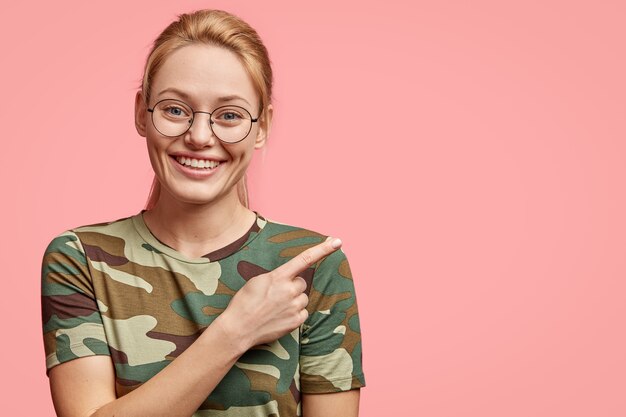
114	289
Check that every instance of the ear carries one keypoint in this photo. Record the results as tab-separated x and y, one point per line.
141	114
265	125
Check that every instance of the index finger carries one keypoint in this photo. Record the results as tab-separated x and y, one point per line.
308	258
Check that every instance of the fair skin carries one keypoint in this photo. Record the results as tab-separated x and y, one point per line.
197	215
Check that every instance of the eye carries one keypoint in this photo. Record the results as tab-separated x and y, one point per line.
230	116
174	110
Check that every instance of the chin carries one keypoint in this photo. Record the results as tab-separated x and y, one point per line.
197	199
198	194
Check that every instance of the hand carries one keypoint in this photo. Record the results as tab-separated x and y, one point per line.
273	304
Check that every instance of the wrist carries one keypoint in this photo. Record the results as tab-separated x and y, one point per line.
231	334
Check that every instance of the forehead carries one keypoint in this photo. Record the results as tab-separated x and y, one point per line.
204	73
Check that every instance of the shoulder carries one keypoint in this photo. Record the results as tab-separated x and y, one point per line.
74	238
286	241
282	232
113	227
289	240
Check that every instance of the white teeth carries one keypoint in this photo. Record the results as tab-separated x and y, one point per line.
197	163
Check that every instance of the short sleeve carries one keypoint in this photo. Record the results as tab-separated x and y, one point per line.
330	355
72	324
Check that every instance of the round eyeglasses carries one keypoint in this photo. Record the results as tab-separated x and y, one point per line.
230	124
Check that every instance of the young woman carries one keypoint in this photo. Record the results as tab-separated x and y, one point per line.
198	305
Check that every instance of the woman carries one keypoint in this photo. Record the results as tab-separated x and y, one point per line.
198	305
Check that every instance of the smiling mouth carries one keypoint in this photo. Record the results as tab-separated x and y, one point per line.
197	163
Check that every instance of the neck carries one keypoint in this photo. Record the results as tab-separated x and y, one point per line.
198	229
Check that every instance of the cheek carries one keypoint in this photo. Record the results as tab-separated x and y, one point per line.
243	153
156	152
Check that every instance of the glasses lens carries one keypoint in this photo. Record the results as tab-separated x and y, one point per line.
172	117
231	123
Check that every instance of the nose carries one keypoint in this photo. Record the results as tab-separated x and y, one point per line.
200	134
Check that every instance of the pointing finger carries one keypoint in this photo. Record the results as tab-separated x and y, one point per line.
309	257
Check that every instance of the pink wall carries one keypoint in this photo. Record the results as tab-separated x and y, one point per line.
470	155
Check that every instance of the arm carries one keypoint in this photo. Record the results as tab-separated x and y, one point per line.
338	404
330	357
86	386
267	307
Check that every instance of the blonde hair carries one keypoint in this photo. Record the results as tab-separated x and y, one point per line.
219	28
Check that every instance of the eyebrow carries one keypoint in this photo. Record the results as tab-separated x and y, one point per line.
185	95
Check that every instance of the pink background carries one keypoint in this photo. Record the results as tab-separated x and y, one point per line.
470	155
